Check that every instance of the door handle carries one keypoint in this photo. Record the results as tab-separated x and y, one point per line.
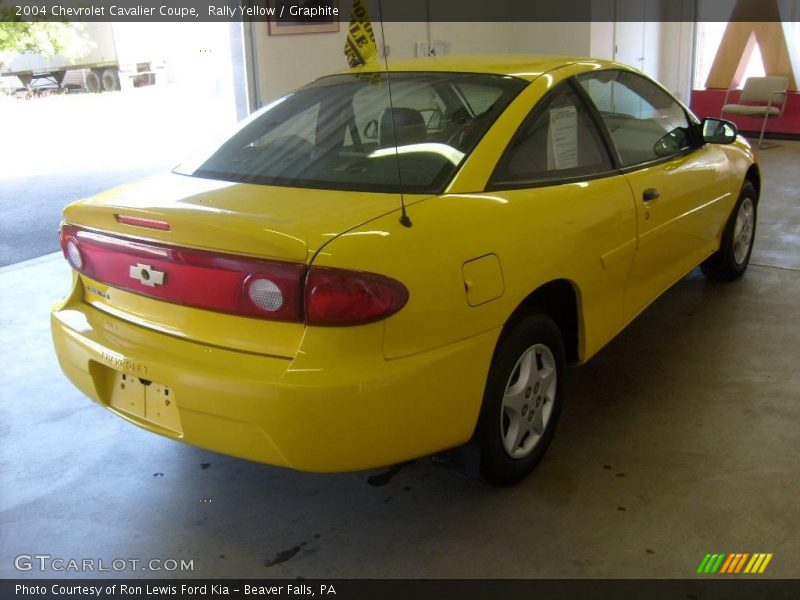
650	194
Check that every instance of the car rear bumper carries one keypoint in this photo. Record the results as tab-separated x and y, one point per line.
325	410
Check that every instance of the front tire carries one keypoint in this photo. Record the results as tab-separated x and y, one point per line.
522	400
731	260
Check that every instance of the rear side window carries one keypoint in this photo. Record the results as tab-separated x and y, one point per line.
644	121
558	140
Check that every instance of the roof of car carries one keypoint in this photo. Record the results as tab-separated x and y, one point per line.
525	66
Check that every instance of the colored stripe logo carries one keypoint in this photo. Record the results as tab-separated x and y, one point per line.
732	564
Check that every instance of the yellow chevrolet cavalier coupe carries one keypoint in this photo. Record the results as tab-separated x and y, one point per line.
387	263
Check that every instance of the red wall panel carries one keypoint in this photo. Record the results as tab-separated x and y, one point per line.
707	103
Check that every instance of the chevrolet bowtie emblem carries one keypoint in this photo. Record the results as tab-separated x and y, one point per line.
146	275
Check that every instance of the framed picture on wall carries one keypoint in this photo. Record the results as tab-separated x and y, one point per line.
292	18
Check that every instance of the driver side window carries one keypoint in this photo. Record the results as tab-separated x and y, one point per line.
644	122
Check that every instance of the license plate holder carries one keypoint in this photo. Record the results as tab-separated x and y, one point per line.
127	394
147	400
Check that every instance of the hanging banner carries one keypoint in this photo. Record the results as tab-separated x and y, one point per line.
360	47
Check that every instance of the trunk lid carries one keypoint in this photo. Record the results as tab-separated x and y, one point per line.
265	222
240	218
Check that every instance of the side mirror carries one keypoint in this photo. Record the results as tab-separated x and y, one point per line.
672	143
718	131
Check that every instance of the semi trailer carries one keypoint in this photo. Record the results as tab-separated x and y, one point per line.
119	58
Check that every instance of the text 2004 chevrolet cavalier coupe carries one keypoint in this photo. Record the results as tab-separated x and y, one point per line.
352	281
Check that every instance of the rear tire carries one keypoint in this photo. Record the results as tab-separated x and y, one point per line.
110	80
522	400
93	82
731	260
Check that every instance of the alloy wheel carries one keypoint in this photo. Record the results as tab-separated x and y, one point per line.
743	231
528	401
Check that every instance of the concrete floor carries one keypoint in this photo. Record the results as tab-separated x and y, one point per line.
680	438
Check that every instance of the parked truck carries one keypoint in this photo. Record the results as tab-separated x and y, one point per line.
120	58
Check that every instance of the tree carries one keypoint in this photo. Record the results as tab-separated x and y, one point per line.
42	37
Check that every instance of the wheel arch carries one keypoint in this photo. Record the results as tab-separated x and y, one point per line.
753	175
559	299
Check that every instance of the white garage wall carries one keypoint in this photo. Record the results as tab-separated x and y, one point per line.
601	40
552	38
676	55
289	61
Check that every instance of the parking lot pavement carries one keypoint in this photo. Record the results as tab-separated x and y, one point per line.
32	208
59	149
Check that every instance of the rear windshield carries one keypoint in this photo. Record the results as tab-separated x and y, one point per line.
342	132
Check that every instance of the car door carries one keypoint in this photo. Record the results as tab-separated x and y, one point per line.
677	182
568	211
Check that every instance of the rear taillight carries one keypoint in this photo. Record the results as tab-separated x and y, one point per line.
341	297
73	254
69	246
214	281
264	293
233	284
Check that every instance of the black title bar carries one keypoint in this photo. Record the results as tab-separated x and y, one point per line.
320	11
733	588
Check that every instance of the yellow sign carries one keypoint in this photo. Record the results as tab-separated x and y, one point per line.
360	47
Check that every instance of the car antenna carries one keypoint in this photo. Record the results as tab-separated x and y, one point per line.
405	221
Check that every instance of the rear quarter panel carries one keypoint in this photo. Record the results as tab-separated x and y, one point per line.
584	233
